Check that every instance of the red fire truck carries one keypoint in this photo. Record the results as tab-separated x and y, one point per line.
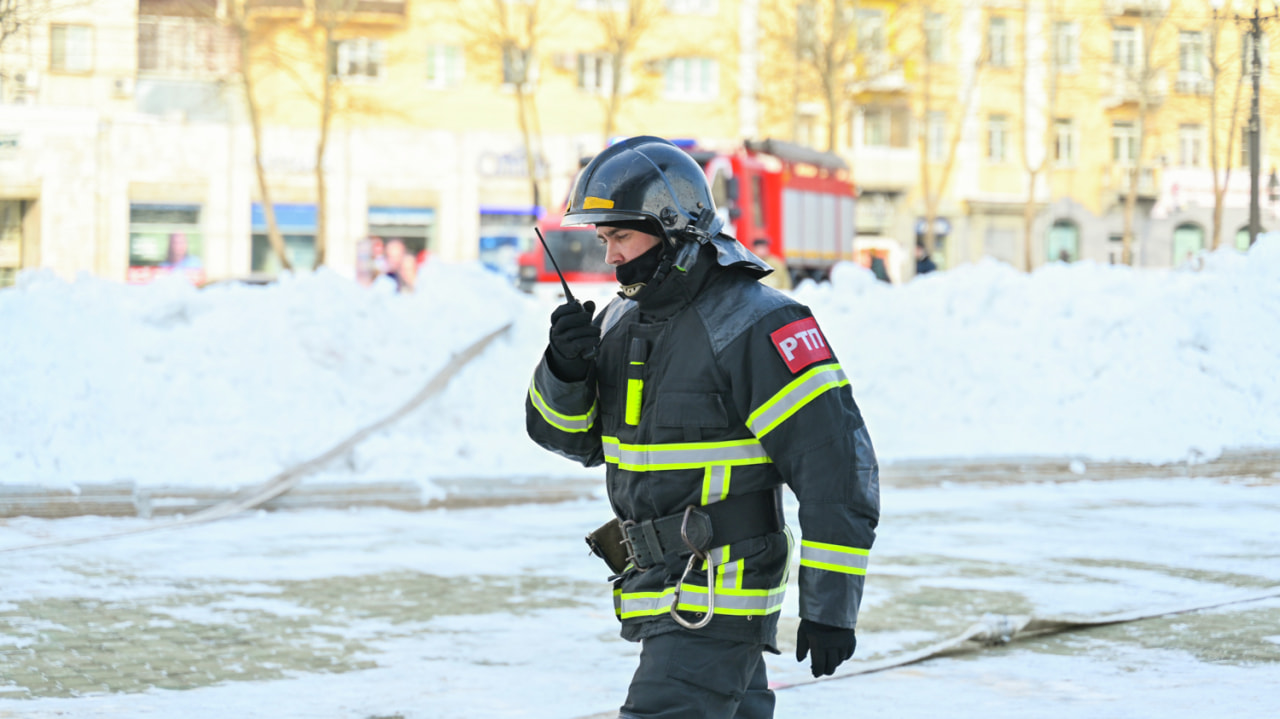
800	199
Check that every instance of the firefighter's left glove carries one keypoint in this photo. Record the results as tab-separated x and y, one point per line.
830	646
573	340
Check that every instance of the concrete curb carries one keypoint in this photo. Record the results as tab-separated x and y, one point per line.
128	499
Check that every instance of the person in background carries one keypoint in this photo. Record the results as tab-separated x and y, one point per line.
780	279
401	267
178	257
924	263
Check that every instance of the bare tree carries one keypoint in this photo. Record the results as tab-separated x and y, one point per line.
1051	62
1221	174
932	188
508	33
1144	88
239	16
329	16
623	25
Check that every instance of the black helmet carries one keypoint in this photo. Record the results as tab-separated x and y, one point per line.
642	178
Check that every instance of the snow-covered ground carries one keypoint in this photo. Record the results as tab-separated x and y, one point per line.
500	612
166	384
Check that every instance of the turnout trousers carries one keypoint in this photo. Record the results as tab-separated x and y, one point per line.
684	675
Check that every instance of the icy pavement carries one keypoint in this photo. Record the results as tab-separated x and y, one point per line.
499	612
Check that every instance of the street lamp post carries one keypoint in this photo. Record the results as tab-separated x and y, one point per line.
1254	24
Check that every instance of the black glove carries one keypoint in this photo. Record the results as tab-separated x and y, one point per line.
573	340
831	646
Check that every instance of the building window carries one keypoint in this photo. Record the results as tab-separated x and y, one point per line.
1191	55
446	66
71	48
870	27
358	59
691	78
936	137
935	36
1191	145
186	47
165	239
998	41
1064	142
595	72
884	127
1124	143
1124	46
518	67
1066	45
997	132
692	7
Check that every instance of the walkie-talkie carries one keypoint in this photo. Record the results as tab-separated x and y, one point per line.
591	353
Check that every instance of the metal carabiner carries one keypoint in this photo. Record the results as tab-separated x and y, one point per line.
697	555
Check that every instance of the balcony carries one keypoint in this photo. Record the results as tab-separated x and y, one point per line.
1192	83
1123	85
1137	7
891	169
1116	182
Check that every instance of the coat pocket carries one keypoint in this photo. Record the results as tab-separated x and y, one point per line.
691	413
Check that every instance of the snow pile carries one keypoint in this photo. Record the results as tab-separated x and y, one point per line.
166	384
1096	360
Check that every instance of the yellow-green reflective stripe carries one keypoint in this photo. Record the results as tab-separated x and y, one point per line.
736	602
562	422
635	391
692	455
798	393
833	557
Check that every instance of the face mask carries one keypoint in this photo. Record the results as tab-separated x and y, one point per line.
634	274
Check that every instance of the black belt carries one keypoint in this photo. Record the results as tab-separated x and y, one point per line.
730	520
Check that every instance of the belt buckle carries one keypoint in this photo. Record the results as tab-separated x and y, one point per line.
630	544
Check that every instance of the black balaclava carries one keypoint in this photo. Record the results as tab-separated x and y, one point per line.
635	275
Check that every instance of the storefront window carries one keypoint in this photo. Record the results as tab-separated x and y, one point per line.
412	226
297	223
164	239
505	232
11	212
1188	239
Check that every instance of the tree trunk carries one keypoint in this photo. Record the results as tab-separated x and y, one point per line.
255	121
1029	220
322	146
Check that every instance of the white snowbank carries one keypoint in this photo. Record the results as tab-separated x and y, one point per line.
166	384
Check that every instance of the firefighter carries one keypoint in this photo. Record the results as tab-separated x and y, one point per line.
703	392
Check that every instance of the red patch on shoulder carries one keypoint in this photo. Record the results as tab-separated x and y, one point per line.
801	344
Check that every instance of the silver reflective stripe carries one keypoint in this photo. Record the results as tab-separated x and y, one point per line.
797	394
833	557
653	457
559	420
715	485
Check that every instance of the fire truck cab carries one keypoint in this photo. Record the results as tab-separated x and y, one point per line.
799	199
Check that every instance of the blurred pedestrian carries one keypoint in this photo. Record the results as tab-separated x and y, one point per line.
400	265
780	278
924	263
178	257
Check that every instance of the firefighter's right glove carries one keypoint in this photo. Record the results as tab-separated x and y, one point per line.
573	340
830	646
